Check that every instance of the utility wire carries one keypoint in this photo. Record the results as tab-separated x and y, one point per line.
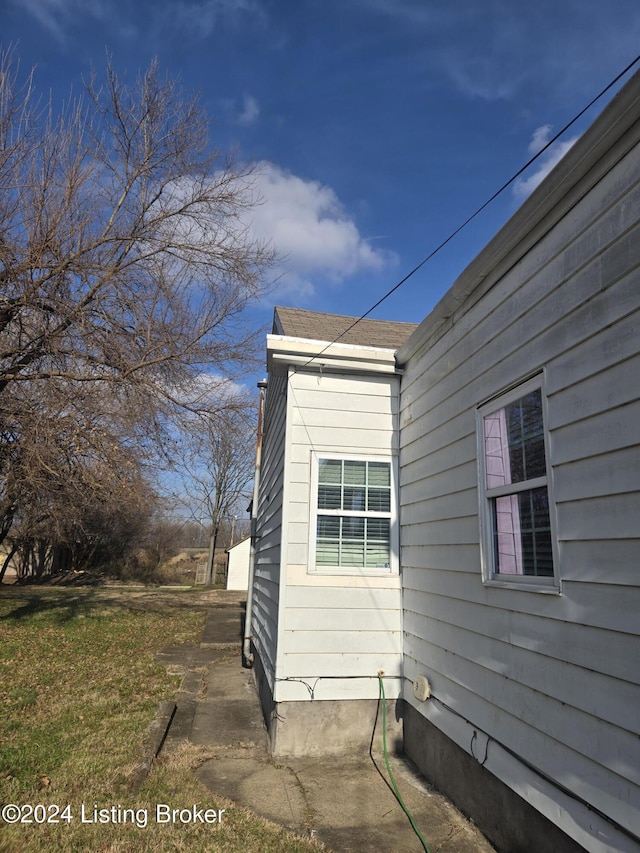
479	210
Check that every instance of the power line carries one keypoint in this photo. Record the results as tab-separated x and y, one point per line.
479	210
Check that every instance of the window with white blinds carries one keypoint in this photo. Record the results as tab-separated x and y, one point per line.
352	514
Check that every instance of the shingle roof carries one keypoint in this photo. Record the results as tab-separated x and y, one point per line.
317	326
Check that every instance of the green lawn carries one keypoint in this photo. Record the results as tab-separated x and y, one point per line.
78	688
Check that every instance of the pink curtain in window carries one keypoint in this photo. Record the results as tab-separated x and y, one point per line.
498	467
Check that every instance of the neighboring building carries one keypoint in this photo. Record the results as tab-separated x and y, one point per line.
326	613
507	428
238	565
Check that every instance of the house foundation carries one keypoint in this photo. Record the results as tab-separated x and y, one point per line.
327	726
506	819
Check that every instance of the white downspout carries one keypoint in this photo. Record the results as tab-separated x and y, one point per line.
247	654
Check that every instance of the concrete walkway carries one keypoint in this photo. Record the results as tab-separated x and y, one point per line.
344	801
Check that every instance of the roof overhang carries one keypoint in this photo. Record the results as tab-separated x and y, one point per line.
284	352
611	136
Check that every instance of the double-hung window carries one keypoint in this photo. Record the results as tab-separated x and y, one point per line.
353	505
516	512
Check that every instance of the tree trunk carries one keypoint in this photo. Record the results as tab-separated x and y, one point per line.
211	563
7	560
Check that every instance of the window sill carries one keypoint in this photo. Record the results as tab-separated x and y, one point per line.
353	573
547	586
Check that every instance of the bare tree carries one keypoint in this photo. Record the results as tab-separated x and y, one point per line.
121	251
124	267
75	481
218	466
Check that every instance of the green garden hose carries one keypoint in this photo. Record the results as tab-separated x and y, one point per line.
388	766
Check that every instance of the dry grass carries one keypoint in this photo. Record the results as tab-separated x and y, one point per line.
78	688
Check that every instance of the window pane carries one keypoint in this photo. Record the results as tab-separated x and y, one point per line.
514	442
330	471
327	553
328	540
352	554
329	526
379	500
379	474
496	450
352	528
537	555
355	472
507	535
377	556
378	529
526	437
353	498
522	534
378	542
329	497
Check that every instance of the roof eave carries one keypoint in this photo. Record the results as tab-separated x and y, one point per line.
325	355
603	144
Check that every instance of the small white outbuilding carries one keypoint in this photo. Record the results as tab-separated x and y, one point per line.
238	565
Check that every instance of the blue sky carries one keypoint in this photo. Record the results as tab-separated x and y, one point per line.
379	125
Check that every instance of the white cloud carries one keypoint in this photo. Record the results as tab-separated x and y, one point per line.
316	241
250	111
478	46
311	231
199	18
496	49
196	19
523	187
207	392
213	390
541	135
479	78
56	15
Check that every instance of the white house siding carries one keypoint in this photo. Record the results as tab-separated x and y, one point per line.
336	631
555	678
266	586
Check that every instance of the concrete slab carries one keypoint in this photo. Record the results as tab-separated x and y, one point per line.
191	657
225	629
344	801
227	722
355	809
270	791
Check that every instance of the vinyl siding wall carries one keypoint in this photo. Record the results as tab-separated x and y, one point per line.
555	678
266	587
337	626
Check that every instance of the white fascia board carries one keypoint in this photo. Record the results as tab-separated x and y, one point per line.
612	135
324	355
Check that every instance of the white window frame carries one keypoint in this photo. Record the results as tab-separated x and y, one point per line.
392	515
490	576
